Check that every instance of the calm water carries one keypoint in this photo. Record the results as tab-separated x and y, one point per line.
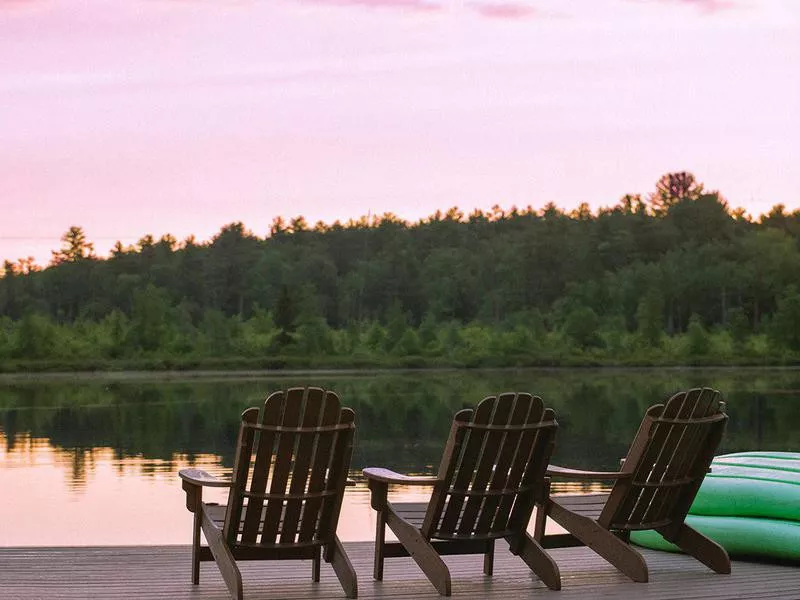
96	458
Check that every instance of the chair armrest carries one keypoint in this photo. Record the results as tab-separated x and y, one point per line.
389	476
201	478
556	471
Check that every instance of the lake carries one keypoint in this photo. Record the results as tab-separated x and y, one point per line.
93	459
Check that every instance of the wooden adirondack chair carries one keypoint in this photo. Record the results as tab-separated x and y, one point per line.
490	476
300	447
655	487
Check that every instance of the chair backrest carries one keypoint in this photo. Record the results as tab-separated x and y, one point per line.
668	459
290	470
492	469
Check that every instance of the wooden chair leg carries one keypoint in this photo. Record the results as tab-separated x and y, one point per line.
223	557
335	554
539	523
315	566
602	541
196	548
695	544
421	551
539	561
540	520
380	540
488	559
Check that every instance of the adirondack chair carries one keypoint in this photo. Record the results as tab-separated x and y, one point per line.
490	476
300	447
655	487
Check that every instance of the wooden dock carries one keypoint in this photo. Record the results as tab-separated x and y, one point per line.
145	572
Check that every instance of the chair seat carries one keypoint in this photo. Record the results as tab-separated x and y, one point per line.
588	505
413	512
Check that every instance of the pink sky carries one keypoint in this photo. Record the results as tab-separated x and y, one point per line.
178	116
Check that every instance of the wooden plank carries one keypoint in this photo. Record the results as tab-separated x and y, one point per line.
534	473
339	467
319	469
283	464
305	448
685	451
270	415
508	450
466	466
664	440
484	466
151	573
447	468
241	468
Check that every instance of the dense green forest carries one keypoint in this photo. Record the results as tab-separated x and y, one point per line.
672	277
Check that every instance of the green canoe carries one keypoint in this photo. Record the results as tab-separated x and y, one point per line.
749	503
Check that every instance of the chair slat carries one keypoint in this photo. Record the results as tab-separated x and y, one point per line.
305	447
644	451
492	442
241	467
447	467
284	458
668	436
465	469
508	449
685	464
542	450
337	476
270	415
524	448
319	469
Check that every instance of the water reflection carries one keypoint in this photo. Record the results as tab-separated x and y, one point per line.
95	450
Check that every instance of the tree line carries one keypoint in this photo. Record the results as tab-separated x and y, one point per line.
674	276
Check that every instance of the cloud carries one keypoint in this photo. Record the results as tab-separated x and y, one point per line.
706	6
17	4
504	10
409	5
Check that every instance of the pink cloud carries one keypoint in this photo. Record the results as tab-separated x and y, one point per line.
17	4
706	6
505	10
410	5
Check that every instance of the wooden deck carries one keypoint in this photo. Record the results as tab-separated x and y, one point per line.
164	572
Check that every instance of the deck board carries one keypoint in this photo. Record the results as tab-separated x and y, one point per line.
112	573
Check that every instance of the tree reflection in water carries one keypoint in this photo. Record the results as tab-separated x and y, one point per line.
156	426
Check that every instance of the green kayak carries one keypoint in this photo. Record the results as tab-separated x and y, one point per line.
749	503
740	536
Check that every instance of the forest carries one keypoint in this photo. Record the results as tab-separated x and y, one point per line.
671	277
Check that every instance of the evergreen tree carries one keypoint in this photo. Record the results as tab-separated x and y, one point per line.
76	247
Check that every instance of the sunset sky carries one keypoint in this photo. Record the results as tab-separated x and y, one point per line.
180	116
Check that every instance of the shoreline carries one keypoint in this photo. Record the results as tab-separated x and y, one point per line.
217	374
